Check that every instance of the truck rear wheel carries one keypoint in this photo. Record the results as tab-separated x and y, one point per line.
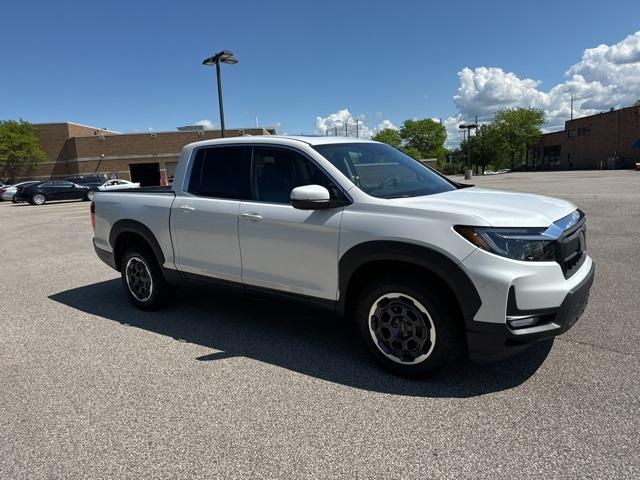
406	327
143	280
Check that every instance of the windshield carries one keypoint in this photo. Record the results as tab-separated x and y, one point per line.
383	171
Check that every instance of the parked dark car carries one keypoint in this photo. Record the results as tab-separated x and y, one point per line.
17	197
55	190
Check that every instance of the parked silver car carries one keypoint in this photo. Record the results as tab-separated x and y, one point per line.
8	192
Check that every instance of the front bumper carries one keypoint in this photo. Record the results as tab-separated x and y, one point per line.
489	341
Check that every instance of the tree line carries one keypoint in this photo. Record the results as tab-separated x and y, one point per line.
503	142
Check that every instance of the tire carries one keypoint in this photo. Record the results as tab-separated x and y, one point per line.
90	196
38	199
406	327
143	280
14	200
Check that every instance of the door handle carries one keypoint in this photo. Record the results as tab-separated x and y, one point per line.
254	217
187	208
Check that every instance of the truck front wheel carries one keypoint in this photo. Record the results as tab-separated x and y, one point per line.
143	280
406	327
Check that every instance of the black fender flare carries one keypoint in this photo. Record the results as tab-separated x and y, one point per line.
436	262
133	226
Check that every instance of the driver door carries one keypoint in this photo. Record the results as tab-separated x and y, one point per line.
281	247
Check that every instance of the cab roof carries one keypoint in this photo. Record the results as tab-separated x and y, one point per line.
309	140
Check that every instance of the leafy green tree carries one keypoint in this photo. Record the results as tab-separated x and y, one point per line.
412	152
390	136
417	138
637	104
426	136
520	128
487	147
20	149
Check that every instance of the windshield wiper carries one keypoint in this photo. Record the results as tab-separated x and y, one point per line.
406	195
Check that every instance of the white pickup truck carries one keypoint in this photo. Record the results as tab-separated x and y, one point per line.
426	267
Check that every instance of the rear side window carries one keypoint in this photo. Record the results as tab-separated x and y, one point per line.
222	172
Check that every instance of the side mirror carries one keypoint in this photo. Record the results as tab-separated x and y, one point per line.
310	197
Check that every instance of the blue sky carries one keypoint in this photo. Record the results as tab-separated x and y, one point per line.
135	65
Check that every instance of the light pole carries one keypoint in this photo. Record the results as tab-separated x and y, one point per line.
224	56
468	128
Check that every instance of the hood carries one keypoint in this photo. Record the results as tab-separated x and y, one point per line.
498	208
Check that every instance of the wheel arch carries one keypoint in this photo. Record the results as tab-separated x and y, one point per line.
360	263
126	231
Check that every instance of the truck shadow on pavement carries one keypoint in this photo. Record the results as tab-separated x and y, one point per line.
295	337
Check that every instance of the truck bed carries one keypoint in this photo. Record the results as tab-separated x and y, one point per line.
149	207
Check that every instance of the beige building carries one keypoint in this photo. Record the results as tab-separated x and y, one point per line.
149	158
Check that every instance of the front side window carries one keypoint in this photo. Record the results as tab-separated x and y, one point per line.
278	171
222	172
383	171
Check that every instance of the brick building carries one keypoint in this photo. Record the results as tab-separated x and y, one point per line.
603	141
149	158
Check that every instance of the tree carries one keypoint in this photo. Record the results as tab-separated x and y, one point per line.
412	152
426	136
487	147
19	148
417	138
520	128
637	104
390	136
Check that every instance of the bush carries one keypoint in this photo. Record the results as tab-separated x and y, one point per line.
452	168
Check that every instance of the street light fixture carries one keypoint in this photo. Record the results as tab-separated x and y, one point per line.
225	56
468	128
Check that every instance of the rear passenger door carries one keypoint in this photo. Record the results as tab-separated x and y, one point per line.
284	248
68	190
204	216
48	189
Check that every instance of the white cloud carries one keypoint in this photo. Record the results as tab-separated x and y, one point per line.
383	125
336	122
206	123
606	77
454	134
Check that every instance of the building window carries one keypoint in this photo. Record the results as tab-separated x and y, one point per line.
551	156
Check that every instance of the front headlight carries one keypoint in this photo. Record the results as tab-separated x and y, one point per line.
527	244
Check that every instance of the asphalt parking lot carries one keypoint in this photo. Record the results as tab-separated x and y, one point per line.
225	387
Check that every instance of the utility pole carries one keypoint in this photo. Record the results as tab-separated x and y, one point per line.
357	132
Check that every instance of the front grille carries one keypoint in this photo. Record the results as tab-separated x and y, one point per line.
571	248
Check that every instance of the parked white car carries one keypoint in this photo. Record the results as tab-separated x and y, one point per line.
117	184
